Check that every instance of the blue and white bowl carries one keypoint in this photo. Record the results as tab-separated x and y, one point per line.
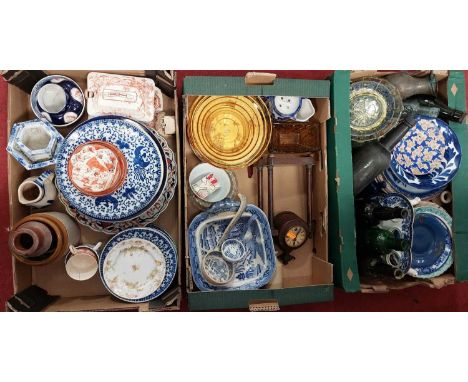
34	144
58	100
285	107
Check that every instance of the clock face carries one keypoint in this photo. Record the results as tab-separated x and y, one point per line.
295	237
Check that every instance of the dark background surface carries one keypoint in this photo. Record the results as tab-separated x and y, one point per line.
420	298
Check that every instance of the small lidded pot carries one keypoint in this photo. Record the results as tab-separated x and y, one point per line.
81	263
97	168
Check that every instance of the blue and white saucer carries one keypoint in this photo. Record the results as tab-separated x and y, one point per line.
432	241
428	156
139	264
402	228
392	184
57	99
252	229
146	169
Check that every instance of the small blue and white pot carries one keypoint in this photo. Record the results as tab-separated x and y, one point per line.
58	99
291	108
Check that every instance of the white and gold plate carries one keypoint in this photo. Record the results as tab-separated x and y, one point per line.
138	264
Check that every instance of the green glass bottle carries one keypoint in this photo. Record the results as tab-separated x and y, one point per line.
376	241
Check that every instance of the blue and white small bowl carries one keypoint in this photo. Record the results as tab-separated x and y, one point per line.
58	100
285	107
233	250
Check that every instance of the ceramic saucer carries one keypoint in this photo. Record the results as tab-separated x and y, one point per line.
432	241
139	264
146	217
146	169
57	99
205	230
428	156
375	107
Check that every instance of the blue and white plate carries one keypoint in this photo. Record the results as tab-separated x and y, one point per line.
428	156
392	184
145	218
146	169
432	241
57	99
253	230
139	264
402	228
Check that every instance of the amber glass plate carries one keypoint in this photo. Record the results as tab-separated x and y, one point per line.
229	132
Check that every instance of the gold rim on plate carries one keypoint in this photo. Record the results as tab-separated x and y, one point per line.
229	131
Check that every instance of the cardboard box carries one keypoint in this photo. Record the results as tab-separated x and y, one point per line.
309	278
89	295
342	232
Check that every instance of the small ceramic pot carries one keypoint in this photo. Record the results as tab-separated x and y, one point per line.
64	230
57	99
233	250
81	262
34	143
97	168
30	239
38	191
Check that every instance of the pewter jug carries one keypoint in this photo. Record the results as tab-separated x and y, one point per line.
408	85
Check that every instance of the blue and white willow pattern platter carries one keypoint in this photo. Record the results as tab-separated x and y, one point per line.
428	156
432	245
253	230
146	169
148	216
152	237
403	228
74	104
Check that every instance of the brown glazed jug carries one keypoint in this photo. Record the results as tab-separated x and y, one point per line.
30	239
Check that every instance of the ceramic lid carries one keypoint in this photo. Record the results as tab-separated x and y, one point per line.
127	96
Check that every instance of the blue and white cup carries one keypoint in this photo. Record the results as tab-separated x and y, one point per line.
38	191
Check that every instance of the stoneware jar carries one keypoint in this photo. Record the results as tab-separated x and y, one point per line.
26	243
38	191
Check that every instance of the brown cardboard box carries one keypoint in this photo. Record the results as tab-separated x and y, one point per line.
295	282
88	295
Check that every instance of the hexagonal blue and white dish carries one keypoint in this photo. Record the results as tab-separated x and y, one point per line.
252	229
428	156
139	264
34	144
146	169
58	100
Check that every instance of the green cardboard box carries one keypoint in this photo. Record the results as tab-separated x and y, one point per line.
342	236
310	277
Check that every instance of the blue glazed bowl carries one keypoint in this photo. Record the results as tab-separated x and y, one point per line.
58	100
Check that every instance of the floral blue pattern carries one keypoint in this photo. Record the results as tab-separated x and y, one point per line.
158	237
146	169
428	156
252	229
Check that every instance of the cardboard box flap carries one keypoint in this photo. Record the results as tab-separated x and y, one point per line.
456	95
235	86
